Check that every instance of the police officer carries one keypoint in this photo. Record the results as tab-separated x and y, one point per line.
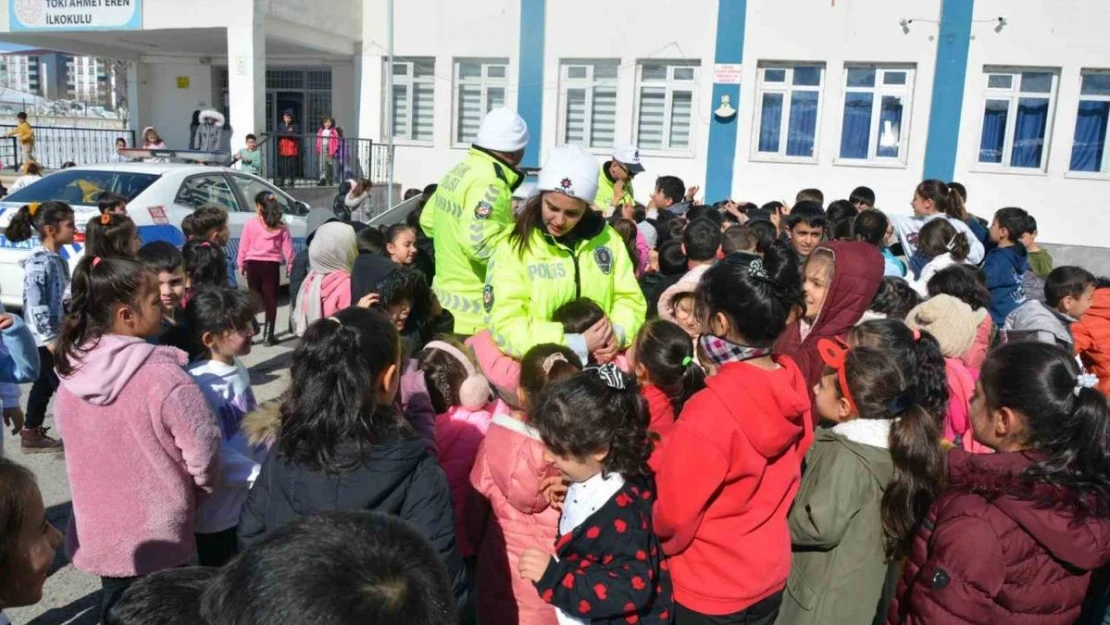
614	184
470	212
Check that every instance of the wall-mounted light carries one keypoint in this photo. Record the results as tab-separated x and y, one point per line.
1000	25
725	110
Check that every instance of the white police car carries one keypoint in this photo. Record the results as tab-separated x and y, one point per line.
159	196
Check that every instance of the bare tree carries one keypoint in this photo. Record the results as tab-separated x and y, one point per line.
116	71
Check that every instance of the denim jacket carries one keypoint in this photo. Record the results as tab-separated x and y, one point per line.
45	279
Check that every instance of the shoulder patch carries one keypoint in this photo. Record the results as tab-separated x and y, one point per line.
487	297
483	210
603	256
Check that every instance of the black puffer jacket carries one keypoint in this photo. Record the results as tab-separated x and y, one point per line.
398	477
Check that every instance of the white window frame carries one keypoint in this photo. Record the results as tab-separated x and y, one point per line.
1013	95
409	80
1104	168
485	82
671	85
588	84
881	89
786	88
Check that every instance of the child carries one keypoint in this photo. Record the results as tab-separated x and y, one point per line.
509	472
112	235
805	229
1040	261
339	568
400	244
872	226
841	279
169	597
289	149
579	315
327	287
109	202
210	224
26	136
669	196
142	444
187	227
969	285
731	464
815	196
119	156
166	261
32	173
841	214
868	483
662	359
372	264
204	267
863	198
413	308
1069	292
264	242
221	323
461	398
943	246
151	140
327	149
634	243
209	134
1006	263
45	283
894	300
672	266
608	565
250	157
1014	536
29	540
932	199
356	202
1092	336
739	239
343	447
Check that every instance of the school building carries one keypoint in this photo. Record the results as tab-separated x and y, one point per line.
751	99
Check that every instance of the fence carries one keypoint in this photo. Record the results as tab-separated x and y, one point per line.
299	161
57	145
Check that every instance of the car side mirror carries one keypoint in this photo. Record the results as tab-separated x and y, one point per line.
303	207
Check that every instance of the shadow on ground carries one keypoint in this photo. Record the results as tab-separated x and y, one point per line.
84	611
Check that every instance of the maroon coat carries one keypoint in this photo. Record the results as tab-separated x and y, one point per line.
989	554
856	278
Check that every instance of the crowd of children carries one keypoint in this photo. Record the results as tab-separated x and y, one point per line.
829	415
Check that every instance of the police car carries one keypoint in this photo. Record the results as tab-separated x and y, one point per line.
160	195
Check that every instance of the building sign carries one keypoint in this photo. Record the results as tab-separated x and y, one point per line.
727	73
182	82
66	15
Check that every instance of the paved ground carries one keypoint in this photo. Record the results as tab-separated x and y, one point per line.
71	596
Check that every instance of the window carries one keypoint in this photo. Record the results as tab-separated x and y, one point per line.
876	100
789	110
207	189
1017	114
588	91
82	187
480	86
413	93
249	188
1088	148
665	111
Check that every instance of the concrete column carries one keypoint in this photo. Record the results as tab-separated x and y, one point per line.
139	107
246	58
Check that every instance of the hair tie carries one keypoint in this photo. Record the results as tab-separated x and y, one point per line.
550	361
1085	380
916	335
105	219
611	375
95	261
205	244
901	403
687	361
336	320
33	208
835	354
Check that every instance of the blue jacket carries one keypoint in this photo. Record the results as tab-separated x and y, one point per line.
45	278
19	357
891	265
1004	267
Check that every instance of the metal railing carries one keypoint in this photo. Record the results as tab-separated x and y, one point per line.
57	145
299	161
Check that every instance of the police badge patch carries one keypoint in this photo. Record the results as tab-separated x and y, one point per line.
487	297
603	256
483	211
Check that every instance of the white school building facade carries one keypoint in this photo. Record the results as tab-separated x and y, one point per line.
750	99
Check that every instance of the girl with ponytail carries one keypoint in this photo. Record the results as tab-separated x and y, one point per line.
868	482
608	565
1015	535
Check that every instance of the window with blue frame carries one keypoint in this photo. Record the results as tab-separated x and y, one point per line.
876	111
788	111
1017	118
1088	147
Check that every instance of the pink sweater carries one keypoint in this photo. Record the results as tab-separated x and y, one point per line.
141	446
459	432
257	242
501	370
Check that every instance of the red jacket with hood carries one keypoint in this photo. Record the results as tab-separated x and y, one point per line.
993	552
856	278
729	471
1092	339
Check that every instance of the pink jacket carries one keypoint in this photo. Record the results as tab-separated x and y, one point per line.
141	446
686	284
502	371
333	141
257	242
459	433
974	357
961	385
508	472
645	254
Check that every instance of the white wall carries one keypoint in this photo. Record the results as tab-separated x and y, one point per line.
1068	35
171	109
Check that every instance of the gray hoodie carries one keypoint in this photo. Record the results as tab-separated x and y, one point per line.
1034	320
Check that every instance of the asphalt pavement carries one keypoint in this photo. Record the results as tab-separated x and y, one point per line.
71	596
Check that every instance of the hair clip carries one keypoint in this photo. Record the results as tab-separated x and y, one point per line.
33	208
1085	380
834	352
951	243
337	321
757	270
687	361
105	219
95	261
550	361
271	198
611	375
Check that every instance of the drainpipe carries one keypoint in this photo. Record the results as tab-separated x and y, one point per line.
389	102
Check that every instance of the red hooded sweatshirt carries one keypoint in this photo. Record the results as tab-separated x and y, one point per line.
729	471
857	274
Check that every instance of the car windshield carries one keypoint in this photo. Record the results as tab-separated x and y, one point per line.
81	187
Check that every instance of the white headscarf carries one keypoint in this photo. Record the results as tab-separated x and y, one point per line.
333	249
